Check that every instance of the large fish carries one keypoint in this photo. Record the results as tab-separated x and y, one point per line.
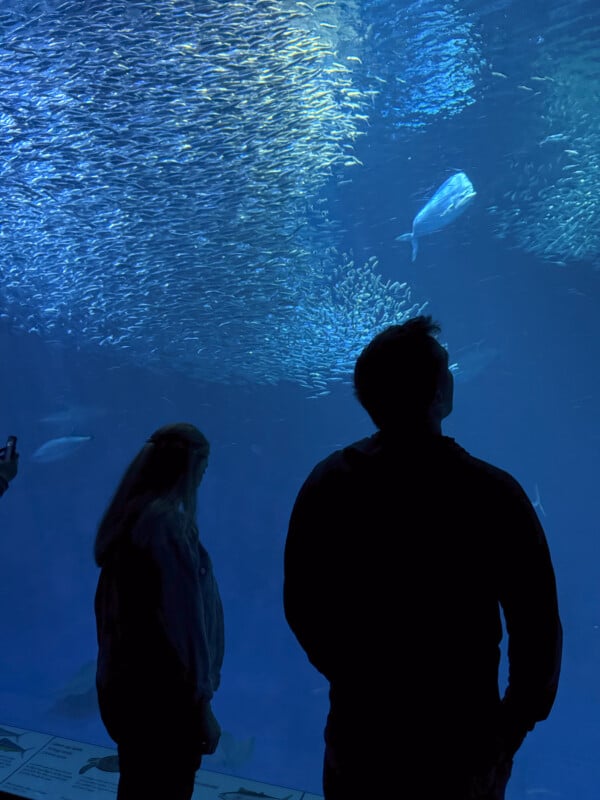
55	449
448	203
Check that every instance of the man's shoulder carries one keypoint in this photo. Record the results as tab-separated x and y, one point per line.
342	460
486	471
442	451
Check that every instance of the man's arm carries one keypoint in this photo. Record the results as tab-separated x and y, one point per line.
529	601
308	576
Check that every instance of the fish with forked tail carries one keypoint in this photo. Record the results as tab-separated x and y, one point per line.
8	746
56	449
11	734
448	203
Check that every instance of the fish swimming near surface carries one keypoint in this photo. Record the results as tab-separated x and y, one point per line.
70	418
448	203
56	449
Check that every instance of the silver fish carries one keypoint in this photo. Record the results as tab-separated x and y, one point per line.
448	203
72	417
56	449
211	127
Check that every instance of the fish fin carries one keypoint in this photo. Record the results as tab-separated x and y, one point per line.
409	237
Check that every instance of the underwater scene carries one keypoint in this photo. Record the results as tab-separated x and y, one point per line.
207	209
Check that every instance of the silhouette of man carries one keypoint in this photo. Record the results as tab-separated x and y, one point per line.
403	551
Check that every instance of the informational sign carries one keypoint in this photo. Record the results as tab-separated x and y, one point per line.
39	766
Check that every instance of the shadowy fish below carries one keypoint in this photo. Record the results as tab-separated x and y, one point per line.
231	753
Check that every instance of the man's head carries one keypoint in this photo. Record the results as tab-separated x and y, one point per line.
402	376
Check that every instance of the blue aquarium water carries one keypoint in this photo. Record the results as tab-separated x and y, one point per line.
199	210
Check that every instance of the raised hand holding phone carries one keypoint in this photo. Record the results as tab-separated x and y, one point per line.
9	459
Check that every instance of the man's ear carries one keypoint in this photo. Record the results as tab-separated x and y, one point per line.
438	399
441	405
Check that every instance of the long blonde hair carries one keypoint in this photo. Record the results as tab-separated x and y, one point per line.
166	470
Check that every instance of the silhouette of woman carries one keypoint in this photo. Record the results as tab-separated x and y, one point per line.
159	620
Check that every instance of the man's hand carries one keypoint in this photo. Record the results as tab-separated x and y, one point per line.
210	730
491	784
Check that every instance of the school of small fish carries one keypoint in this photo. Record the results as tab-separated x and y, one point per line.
163	175
165	169
553	207
427	55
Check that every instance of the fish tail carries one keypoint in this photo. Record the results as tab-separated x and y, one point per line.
409	237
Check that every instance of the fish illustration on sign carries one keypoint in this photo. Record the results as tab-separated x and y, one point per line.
12	734
448	203
9	746
104	764
248	794
55	449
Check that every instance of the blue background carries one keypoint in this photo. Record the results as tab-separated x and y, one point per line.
518	307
